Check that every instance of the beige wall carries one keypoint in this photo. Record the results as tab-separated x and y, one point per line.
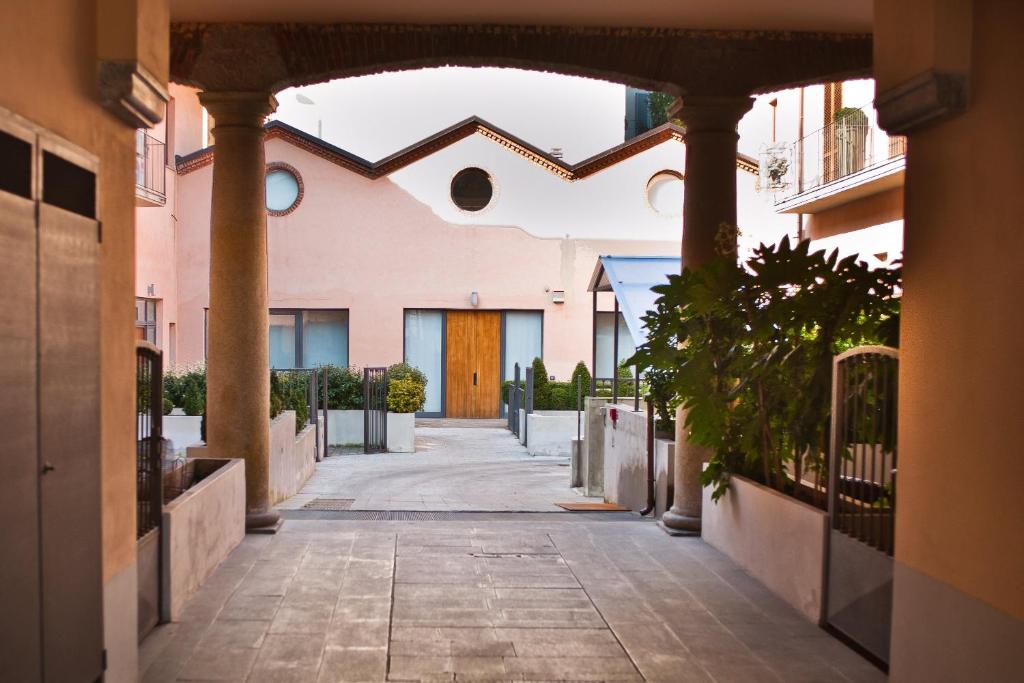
884	207
958	518
55	88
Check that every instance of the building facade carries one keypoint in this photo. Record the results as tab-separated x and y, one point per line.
464	254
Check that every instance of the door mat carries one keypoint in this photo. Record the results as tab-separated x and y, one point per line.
592	507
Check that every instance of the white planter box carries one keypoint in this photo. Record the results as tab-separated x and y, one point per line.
182	431
550	432
200	528
778	540
401	432
345	428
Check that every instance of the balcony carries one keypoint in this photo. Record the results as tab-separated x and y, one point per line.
849	159
150	170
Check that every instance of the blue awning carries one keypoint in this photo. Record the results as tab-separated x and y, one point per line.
631	279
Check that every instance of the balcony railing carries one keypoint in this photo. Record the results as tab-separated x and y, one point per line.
150	163
851	144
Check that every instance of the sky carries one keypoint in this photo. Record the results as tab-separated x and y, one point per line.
375	116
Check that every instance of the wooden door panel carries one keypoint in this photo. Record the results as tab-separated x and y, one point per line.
473	357
459	352
487	391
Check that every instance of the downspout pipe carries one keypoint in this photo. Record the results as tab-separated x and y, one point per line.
651	482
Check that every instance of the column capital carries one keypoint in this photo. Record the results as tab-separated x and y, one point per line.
238	108
711	112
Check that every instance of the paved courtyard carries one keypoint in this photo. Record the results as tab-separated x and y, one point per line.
481	596
454	468
559	597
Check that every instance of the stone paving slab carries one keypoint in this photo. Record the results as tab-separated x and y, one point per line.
573	600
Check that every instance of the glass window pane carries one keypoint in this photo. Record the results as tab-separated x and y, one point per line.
282	340
324	338
282	190
423	334
523	340
605	343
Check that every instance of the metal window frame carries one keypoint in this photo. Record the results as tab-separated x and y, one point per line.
300	322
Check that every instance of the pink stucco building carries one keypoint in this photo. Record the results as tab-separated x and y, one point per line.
465	253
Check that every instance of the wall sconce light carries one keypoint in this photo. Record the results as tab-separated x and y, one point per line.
558	296
474	299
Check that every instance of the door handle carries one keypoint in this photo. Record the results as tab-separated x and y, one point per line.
47	468
474	379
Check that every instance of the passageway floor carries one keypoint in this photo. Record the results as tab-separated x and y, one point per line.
557	598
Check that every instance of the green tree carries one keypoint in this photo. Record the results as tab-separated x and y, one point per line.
659	104
541	387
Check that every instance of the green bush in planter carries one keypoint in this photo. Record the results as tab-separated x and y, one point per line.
168	406
406	395
290	391
406	371
193	400
581	373
541	387
344	387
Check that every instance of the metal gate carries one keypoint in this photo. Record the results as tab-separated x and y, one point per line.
149	481
375	410
862	497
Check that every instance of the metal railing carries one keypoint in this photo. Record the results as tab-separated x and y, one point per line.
862	463
375	410
150	163
148	437
851	144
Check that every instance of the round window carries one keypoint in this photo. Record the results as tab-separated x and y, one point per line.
283	190
472	189
665	193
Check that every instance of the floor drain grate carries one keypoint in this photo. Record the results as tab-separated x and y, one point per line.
329	504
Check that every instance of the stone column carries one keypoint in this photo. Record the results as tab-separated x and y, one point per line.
709	199
237	368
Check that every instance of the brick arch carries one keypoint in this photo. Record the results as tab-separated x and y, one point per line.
271	57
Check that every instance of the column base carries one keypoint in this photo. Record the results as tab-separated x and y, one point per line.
675	523
263	522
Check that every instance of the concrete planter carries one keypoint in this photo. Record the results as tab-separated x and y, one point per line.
182	430
345	428
200	528
292	456
778	540
401	432
551	432
625	457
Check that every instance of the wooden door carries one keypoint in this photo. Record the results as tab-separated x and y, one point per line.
473	360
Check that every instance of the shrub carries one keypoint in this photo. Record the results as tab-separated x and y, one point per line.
168	406
290	391
541	388
193	400
582	373
749	347
562	396
187	390
344	388
406	371
406	395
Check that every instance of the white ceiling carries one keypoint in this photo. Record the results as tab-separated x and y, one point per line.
853	16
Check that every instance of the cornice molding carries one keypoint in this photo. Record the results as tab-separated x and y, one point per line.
449	136
921	101
133	94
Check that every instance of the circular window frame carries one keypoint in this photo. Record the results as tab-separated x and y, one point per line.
647	191
282	166
495	191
